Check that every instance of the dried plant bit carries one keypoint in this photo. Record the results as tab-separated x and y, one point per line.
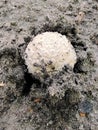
80	17
82	114
37	100
2	84
30	110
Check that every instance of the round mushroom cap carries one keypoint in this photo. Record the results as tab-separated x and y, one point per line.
48	53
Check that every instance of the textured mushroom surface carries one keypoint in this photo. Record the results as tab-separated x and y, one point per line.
48	53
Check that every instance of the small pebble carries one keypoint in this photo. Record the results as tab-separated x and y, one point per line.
85	107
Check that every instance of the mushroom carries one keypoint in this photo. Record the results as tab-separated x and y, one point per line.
48	53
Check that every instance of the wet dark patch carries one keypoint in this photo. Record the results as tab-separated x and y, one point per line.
78	44
29	81
78	67
71	97
84	65
27	39
62	109
60	26
8	52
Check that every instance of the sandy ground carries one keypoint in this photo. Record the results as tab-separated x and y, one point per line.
25	103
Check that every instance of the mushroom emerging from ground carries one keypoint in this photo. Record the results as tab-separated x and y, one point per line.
48	53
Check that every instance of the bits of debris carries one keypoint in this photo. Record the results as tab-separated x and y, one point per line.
85	107
80	17
94	38
82	114
2	84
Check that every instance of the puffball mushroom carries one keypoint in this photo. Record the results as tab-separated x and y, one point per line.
48	53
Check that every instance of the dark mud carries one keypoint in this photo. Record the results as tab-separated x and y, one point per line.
25	103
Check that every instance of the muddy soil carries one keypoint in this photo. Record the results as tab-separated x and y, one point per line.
25	103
